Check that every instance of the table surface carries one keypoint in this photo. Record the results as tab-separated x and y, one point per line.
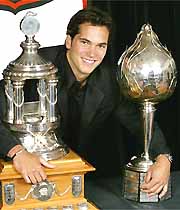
106	193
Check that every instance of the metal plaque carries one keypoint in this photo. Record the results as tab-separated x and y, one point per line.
67	207
9	193
82	206
76	185
43	191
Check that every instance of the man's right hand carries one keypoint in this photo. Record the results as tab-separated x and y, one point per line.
31	166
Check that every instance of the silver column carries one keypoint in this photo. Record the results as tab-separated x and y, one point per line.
148	119
41	89
9	101
18	101
51	100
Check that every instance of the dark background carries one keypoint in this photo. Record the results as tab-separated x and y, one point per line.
164	16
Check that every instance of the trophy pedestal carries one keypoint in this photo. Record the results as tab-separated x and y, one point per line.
132	181
63	189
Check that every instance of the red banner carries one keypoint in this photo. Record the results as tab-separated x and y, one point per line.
84	3
16	6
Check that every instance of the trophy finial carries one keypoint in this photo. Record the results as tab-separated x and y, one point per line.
146	27
29	24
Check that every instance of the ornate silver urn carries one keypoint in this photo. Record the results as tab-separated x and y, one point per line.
147	76
34	122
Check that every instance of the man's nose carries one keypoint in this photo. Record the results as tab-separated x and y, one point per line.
92	51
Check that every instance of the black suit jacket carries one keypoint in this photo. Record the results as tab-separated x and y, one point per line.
106	117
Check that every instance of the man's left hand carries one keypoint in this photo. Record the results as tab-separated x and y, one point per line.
157	177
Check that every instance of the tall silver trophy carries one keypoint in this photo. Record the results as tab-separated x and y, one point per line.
33	122
147	76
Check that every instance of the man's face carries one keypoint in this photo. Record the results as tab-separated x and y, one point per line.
87	49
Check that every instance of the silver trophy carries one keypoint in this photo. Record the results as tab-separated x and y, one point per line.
147	76
33	123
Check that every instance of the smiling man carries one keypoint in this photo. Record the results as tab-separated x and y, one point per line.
87	50
88	95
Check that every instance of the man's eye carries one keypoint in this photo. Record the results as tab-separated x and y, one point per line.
102	46
84	42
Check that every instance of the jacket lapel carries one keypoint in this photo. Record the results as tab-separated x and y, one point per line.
63	104
62	90
93	99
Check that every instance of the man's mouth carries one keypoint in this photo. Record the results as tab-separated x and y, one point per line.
89	61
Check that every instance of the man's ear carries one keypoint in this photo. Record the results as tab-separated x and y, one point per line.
68	42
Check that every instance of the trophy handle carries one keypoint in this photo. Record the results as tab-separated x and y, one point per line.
148	110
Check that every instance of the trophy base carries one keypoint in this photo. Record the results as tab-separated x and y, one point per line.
46	146
59	152
63	188
132	181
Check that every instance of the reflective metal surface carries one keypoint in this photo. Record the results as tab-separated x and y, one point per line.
9	193
147	74
82	206
43	191
76	185
35	122
68	207
147	69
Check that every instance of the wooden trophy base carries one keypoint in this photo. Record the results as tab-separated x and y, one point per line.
63	189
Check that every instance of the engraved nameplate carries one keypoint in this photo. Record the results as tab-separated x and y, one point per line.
76	185
9	193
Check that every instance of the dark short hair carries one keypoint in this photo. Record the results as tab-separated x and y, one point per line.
93	16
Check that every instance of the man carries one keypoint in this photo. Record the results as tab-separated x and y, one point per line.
88	95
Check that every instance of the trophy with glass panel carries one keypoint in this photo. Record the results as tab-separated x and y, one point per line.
147	76
34	124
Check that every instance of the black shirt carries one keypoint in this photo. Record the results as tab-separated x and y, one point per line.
76	94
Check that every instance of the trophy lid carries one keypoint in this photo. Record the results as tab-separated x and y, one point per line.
29	65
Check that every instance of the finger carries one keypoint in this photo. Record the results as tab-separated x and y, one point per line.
32	178
164	190
148	176
42	174
37	176
155	191
152	189
26	178
147	186
46	164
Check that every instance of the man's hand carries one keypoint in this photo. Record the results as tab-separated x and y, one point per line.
157	177
31	166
